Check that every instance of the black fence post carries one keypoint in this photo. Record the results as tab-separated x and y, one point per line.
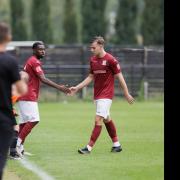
132	79
83	48
57	80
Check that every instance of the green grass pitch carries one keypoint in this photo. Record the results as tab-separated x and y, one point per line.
66	127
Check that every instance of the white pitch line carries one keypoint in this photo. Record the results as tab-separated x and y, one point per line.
35	169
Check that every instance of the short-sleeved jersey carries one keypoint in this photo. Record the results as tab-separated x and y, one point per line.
33	68
9	74
104	70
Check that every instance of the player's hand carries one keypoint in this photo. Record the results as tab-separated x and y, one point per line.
64	89
129	98
73	90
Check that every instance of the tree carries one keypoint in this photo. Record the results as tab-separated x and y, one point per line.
93	19
126	20
153	22
70	23
17	20
41	26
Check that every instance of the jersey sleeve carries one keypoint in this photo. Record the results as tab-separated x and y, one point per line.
90	68
36	66
114	65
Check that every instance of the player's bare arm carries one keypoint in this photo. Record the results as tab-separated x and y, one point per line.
47	81
21	87
84	83
122	83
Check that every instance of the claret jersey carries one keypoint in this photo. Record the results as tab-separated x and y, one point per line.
33	68
104	70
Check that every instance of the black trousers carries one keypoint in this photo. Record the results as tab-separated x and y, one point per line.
6	133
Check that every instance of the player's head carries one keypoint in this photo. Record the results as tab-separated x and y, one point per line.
24	76
5	33
39	49
97	45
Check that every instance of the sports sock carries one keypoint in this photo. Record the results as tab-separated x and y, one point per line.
26	130
89	148
95	134
19	140
22	148
116	144
111	129
21	126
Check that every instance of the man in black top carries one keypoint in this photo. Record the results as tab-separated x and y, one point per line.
9	74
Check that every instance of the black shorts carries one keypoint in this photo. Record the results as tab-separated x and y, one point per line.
15	122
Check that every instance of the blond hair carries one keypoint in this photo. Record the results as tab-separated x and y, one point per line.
99	40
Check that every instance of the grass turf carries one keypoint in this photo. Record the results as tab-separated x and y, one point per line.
66	127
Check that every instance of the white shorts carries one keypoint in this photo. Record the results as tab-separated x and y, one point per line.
28	111
103	107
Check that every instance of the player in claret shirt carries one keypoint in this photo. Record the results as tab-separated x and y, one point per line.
104	68
28	106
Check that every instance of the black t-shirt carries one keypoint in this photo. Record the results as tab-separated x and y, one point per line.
9	73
